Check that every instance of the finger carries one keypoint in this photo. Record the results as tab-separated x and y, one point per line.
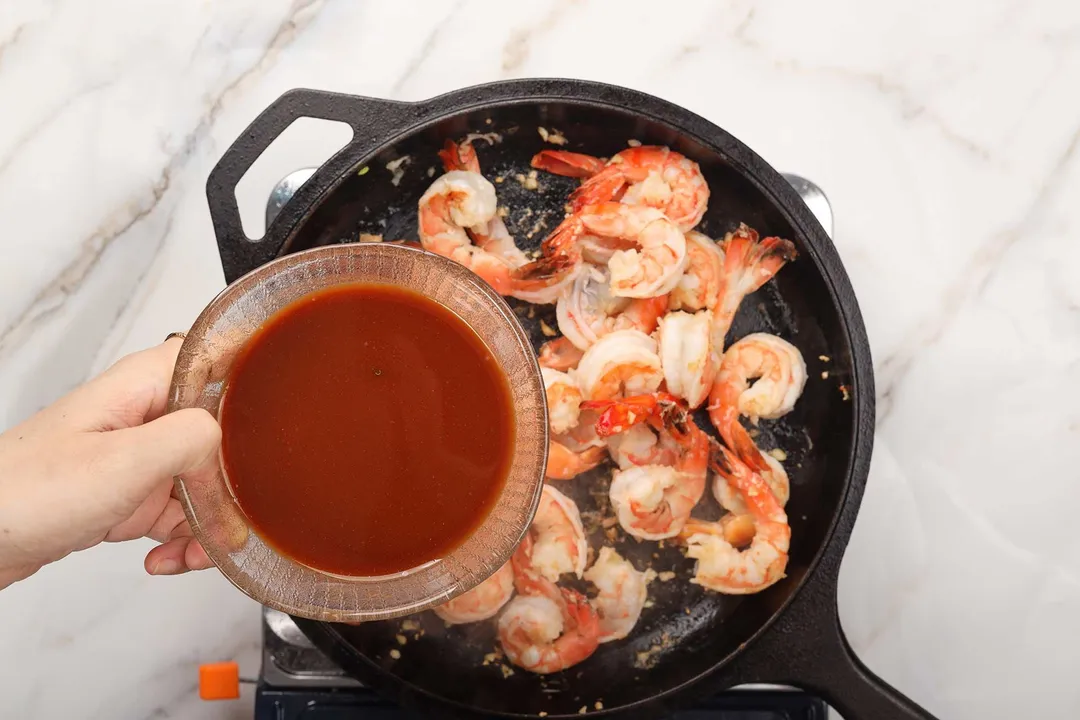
172	523
177	556
133	391
195	556
136	461
148	519
168	558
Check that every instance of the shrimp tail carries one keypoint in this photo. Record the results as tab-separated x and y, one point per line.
560	257
564	464
567	164
459	156
659	408
744	253
756	492
745	447
605	186
542	272
559	354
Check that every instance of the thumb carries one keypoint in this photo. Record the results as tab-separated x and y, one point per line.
184	442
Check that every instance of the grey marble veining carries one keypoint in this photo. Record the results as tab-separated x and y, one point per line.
945	133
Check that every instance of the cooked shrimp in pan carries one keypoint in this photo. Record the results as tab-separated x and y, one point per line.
567	164
571	451
544	279
622	594
641	445
765	465
548	633
588	310
653	502
648	175
721	566
619	364
563	399
687	355
567	459
655	262
482	602
456	203
492	237
699	287
749	263
555	544
559	354
780	373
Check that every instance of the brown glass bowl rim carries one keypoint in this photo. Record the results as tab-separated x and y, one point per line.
507	541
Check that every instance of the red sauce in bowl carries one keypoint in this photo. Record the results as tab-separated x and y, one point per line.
366	430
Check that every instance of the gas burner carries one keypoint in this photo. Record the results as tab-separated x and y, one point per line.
297	682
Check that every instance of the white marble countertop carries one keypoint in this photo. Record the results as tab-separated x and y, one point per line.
944	131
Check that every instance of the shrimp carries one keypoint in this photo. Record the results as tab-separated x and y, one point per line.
699	287
563	398
540	282
495	238
781	376
481	602
543	280
647	175
559	354
765	465
748	264
654	501
649	262
567	164
657	260
622	594
555	545
641	445
620	363
548	633
685	352
569	454
566	463
722	567
455	202
588	311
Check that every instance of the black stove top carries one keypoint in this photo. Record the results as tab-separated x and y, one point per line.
297	682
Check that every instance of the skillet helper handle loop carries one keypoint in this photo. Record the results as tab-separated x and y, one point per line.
259	135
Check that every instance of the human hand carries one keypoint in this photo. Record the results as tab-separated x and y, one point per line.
98	465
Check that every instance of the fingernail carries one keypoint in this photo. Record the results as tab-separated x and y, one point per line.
168	566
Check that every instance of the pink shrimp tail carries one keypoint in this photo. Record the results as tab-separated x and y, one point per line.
605	186
567	164
459	156
759	497
743	253
645	313
561	256
616	416
564	464
559	354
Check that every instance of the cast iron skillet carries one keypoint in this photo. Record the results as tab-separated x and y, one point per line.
690	642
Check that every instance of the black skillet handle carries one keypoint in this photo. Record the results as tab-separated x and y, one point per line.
806	648
370	119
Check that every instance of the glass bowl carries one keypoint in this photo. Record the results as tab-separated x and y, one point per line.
199	380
